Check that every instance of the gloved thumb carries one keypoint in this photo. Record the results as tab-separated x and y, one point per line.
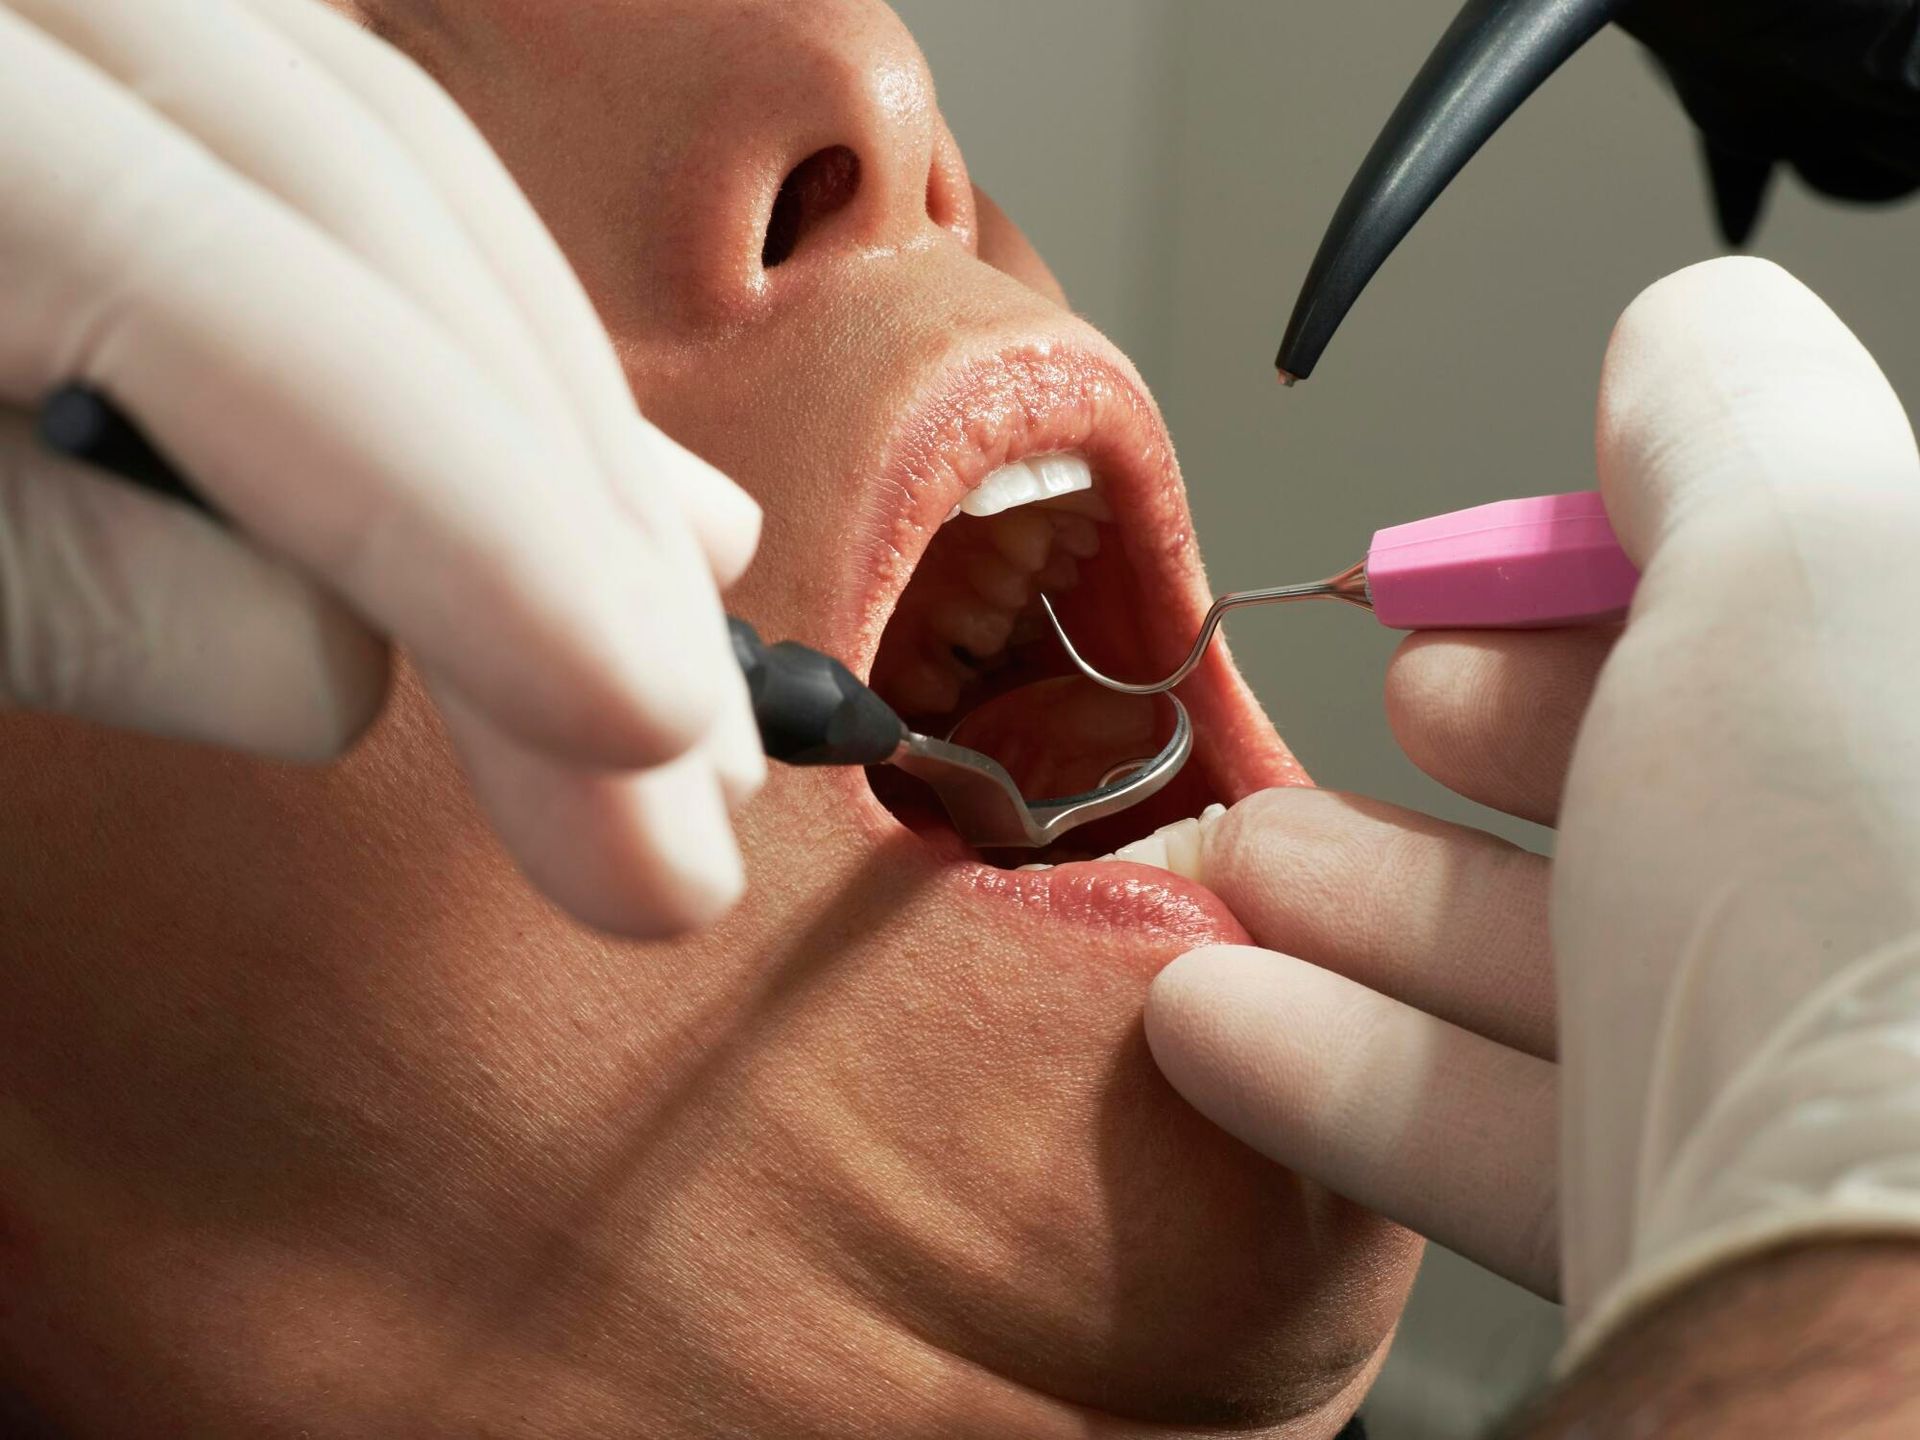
1738	822
1732	399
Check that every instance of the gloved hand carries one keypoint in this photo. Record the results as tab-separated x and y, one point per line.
1831	87
1736	893
287	255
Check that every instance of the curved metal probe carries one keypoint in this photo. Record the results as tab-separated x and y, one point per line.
1349	585
987	808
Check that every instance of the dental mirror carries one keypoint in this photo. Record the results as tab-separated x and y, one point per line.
1114	759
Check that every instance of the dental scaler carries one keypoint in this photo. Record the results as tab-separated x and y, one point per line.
1528	564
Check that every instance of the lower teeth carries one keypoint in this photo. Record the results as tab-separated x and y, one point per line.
1176	848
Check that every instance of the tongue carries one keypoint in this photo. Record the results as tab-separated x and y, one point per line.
1061	737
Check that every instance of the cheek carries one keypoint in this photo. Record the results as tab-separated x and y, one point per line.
1003	246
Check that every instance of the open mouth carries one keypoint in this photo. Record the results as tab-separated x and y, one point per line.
968	655
1060	504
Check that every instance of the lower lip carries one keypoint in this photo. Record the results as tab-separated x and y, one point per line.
1112	896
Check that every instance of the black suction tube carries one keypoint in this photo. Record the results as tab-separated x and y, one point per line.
1494	55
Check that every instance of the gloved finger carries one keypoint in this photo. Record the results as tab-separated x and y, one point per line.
1449	920
131	610
666	488
305	137
1492	715
529	268
725	519
1445	1131
467	249
644	854
734	748
373	451
1735	404
266	111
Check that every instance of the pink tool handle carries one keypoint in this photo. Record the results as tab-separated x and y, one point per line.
1512	565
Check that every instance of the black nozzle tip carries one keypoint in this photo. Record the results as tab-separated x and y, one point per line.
1306	337
1740	182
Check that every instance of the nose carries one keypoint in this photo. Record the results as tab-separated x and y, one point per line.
821	149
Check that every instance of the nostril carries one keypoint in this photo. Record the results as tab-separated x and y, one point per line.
949	193
941	208
819	186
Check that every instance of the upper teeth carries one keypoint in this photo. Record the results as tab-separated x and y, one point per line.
1025	481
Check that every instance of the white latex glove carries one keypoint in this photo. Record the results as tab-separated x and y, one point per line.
288	256
1736	894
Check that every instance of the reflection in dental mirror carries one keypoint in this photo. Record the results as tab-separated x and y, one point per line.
1067	735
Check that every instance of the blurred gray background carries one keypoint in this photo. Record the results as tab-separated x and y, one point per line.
1176	162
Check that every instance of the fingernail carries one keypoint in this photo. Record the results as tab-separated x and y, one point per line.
715	873
724	518
735	750
718	489
699	872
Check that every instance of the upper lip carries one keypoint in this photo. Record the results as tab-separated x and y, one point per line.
989	406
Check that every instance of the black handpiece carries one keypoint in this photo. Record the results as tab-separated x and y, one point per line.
810	708
1494	55
84	425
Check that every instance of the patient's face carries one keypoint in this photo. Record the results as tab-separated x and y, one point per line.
314	1119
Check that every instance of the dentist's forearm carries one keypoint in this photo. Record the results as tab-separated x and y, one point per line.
1820	1340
